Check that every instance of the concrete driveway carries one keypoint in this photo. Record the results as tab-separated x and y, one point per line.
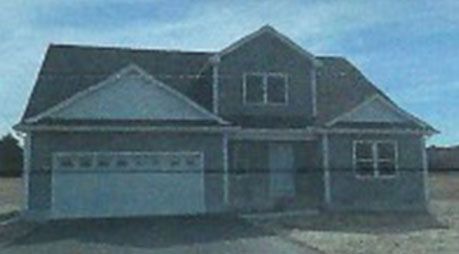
152	235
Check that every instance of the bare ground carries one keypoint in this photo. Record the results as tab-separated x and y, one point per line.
11	196
437	232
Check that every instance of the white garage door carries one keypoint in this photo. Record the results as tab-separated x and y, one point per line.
127	184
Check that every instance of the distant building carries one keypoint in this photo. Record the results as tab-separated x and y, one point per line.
443	158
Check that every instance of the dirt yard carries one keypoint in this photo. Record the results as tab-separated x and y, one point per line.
390	233
352	234
11	197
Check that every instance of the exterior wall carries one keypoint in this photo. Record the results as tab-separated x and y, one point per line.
44	144
249	191
265	53
403	192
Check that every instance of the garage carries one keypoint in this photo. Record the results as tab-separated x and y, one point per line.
115	184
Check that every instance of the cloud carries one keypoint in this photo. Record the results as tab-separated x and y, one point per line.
397	44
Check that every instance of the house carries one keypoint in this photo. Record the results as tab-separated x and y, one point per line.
262	125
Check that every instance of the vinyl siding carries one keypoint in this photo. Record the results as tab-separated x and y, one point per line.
403	192
265	53
249	190
44	144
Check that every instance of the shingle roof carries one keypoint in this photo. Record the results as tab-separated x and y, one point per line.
70	69
340	87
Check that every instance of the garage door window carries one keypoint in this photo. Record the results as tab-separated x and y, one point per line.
121	163
128	161
66	162
103	161
85	161
175	161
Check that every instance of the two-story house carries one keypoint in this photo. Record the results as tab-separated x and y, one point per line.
262	125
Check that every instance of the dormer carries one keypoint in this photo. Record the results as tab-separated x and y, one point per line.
264	75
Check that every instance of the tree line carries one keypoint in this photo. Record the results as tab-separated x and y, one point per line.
10	156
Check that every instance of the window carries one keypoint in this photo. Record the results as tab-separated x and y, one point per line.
103	161
265	88
375	158
276	91
66	162
254	89
85	161
121	162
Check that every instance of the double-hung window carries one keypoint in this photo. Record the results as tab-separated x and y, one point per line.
265	88
375	158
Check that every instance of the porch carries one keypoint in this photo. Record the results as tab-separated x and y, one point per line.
274	175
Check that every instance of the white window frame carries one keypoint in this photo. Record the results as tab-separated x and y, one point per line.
265	76
375	158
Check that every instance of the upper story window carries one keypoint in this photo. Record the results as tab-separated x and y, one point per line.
375	158
265	88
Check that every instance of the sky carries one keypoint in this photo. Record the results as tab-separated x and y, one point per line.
409	49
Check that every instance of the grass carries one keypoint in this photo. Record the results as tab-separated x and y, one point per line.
437	232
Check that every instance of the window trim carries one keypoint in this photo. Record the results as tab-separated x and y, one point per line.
264	76
375	159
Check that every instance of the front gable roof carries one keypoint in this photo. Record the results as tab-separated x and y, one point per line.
267	29
130	94
69	69
378	110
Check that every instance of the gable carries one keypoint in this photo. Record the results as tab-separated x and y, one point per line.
267	32
130	94
69	69
377	109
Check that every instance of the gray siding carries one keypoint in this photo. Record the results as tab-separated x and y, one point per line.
265	53
249	190
404	192
44	144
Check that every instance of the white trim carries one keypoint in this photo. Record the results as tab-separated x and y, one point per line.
240	133
391	105
83	128
425	170
314	90
375	159
372	131
326	167
225	170
26	168
265	76
215	92
273	134
111	79
272	31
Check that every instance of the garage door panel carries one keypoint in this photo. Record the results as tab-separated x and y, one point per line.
141	184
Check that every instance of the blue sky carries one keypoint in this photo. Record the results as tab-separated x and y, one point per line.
410	49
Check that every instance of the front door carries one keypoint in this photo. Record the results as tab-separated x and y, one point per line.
281	164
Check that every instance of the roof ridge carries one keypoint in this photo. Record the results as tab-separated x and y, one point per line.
126	48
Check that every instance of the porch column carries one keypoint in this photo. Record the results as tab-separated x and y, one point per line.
425	170
26	169
225	170
326	168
